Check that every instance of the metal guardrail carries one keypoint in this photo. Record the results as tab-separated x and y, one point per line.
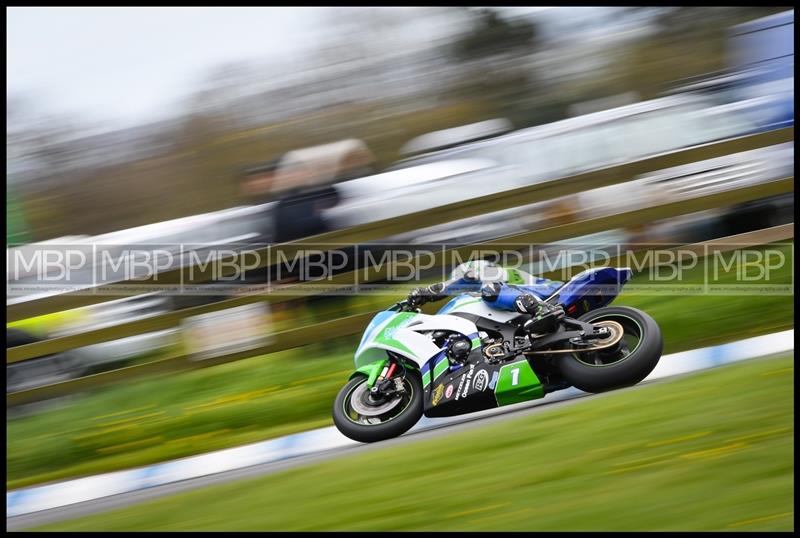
334	328
289	292
469	208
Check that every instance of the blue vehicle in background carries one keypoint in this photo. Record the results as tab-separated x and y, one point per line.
759	78
761	57
761	52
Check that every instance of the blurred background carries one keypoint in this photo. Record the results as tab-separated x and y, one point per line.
253	126
140	118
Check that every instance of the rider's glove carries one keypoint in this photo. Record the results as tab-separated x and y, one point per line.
419	296
529	304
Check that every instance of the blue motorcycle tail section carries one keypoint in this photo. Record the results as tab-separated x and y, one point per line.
591	289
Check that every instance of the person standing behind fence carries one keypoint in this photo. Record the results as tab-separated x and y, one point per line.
298	209
302	185
300	204
305	187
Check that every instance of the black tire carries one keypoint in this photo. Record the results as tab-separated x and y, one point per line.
393	427
624	366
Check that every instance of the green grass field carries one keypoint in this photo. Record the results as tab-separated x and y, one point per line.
158	419
710	451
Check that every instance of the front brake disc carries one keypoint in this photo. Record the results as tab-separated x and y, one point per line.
359	403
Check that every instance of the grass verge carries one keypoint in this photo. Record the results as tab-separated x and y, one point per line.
712	451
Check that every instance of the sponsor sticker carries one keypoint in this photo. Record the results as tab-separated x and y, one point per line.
493	382
460	384
437	395
469	378
481	380
389	332
449	392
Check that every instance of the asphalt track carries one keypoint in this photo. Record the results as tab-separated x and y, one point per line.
432	429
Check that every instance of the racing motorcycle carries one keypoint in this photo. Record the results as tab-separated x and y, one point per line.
470	357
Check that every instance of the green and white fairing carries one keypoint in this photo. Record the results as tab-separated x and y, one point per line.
400	332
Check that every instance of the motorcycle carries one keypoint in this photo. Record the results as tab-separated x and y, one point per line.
470	357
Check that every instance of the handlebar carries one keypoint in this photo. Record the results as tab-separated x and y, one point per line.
402	306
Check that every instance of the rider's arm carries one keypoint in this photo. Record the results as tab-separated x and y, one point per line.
509	297
543	316
466	277
434	292
462	280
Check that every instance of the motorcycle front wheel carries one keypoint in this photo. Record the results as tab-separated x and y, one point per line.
365	419
627	363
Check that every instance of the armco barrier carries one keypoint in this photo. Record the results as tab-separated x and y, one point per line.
318	332
34	499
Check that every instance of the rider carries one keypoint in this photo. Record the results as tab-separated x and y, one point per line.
505	289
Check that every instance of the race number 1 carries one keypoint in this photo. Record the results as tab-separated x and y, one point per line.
517	383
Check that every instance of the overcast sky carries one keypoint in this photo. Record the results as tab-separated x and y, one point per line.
127	66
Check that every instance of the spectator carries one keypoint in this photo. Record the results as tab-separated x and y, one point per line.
256	186
304	185
299	212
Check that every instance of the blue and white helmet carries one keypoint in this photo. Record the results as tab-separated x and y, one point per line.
479	271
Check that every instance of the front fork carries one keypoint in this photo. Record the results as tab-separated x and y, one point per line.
372	370
379	374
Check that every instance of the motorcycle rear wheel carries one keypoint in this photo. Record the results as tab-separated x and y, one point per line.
624	364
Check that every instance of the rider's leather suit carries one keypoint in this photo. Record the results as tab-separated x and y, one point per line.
501	288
